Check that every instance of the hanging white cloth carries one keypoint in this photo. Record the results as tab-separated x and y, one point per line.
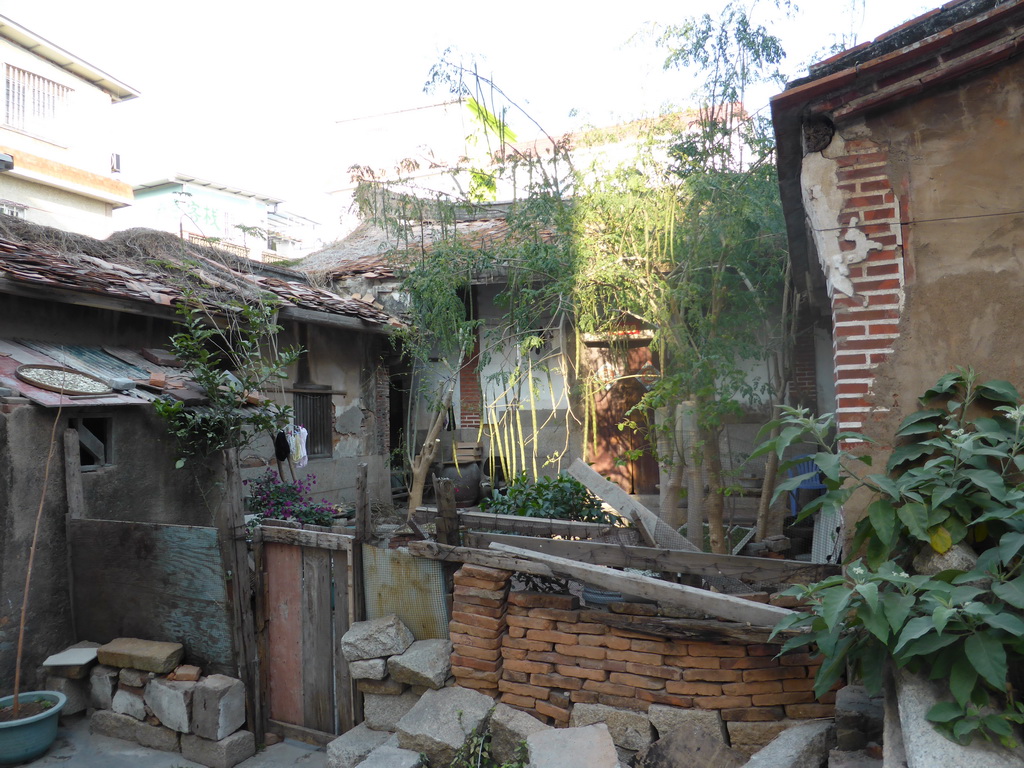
297	441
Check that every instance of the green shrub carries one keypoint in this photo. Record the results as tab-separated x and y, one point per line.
561	497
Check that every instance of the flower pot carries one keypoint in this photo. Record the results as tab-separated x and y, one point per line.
29	737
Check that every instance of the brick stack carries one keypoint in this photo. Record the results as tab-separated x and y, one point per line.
478	626
556	655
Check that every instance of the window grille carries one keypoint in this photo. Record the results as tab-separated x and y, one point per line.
34	104
315	412
11	208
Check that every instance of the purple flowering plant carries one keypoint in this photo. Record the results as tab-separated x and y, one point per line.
271	496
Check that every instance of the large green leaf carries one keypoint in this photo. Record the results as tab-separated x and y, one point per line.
962	679
1009	622
940	617
915	628
988	656
833	668
927	644
1011	592
869	591
875	622
945	711
1009	545
906	453
834	603
915	517
944	386
1000	391
883	520
987	480
897	608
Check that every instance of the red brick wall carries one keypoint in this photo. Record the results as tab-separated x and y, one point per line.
470	394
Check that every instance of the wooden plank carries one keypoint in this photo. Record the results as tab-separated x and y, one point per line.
260	617
433	550
299	733
284	631
701	630
76	508
301	538
317	645
533	526
754	569
711	603
344	688
363	533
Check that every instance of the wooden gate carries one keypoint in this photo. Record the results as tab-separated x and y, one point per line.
309	605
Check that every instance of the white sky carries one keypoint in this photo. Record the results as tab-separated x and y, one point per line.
248	93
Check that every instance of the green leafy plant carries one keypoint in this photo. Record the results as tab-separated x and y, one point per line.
561	497
954	479
272	497
234	359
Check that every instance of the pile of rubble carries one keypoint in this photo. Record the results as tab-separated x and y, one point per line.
141	692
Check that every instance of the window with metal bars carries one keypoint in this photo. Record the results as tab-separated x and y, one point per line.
315	412
34	104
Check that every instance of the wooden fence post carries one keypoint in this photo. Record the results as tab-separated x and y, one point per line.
447	517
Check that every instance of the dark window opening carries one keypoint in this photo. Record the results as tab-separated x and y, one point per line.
315	412
95	441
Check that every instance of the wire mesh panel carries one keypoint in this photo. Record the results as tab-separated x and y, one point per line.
410	587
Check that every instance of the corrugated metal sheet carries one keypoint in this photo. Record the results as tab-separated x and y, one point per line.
92	360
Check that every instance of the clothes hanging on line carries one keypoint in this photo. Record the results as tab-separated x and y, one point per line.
297	441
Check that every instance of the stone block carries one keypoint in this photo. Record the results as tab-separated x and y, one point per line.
135	678
392	757
857	759
667	719
425	662
629	729
694	748
77	692
352	747
102	684
157	737
218	707
376	639
368	669
509	728
73	662
107	723
382	712
226	753
441	721
149	655
128	703
186	672
587	747
385	687
859	717
749	737
800	746
171	702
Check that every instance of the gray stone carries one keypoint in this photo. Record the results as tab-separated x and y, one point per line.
171	702
218	707
376	639
149	655
667	719
588	747
382	712
226	753
509	728
856	759
77	692
117	726
102	684
74	661
693	748
859	718
894	753
425	662
385	687
135	678
798	747
751	737
352	747
368	669
441	721
128	703
157	737
629	729
392	757
959	557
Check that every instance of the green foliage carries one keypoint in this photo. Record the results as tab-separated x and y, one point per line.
953	477
232	358
561	497
475	752
271	497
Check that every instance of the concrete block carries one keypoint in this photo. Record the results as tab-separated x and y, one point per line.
102	684
856	759
226	753
186	672
128	703
107	723
799	747
352	747
157	737
667	719
629	729
218	707
425	662
441	721
368	669
383	712
859	718
149	655
392	757
135	678
588	747
77	692
509	728
171	702
73	662
376	639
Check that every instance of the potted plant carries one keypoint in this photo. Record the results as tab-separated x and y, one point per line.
28	721
937	586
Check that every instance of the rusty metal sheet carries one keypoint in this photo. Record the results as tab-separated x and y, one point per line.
411	587
11	358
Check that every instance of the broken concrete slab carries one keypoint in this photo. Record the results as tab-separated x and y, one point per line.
425	662
392	757
352	747
218	707
226	753
666	719
376	639
441	722
149	655
691	748
798	747
129	703
383	712
587	747
509	728
171	702
102	684
629	729
368	669
76	691
73	662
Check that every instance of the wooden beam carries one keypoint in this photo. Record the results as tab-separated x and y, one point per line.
711	603
297	732
333	320
701	630
433	550
338	542
447	519
536	526
753	569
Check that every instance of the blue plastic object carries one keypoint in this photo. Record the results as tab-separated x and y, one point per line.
29	737
812	483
